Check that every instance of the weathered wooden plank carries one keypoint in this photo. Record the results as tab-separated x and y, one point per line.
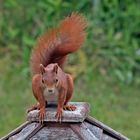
107	137
106	128
15	131
40	126
55	133
94	129
24	132
78	115
74	126
83	132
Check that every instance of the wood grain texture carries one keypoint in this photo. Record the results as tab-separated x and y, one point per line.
78	115
55	133
105	128
95	130
24	132
15	131
72	127
107	137
83	132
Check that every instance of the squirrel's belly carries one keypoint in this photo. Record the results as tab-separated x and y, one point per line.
51	96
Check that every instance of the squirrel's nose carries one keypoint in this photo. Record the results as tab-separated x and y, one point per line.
50	90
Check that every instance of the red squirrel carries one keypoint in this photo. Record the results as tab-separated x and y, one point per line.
49	82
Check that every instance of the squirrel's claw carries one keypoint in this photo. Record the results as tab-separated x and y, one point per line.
42	114
59	115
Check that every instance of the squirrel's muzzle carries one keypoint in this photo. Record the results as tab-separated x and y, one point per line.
51	90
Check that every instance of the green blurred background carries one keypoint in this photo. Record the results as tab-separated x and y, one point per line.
106	68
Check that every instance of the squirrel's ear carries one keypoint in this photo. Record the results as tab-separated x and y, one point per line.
55	69
42	69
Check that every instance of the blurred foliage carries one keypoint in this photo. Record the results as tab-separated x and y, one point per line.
112	45
106	65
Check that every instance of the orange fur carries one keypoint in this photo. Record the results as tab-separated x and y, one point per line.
47	61
54	46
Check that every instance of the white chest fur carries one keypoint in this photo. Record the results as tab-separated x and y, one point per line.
51	97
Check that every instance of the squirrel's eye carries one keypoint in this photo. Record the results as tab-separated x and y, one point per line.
42	81
56	80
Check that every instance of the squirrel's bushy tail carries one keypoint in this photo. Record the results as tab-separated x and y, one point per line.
54	46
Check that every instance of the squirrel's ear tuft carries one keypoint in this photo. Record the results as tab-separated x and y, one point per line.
55	69
42	69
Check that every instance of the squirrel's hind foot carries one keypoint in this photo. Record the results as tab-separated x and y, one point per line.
69	107
34	107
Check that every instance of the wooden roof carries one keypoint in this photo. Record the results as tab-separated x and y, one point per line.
88	129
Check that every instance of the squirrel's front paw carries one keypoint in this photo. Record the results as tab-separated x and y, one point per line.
42	114
59	115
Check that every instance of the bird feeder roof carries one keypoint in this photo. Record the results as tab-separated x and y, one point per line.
75	125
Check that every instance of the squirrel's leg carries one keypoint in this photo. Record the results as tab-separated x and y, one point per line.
69	94
38	93
61	100
42	105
